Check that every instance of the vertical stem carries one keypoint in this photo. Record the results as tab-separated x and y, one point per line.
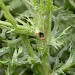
45	67
29	48
8	15
47	35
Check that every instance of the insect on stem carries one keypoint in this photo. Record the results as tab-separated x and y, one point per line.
41	35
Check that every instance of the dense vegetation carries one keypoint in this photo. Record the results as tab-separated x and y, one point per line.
37	37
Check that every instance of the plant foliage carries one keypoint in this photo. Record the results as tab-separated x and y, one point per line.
37	37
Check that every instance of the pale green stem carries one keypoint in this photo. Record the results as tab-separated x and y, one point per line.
8	15
28	46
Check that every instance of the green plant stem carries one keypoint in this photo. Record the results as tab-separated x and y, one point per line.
72	3
28	46
40	69
8	15
47	26
43	45
47	35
